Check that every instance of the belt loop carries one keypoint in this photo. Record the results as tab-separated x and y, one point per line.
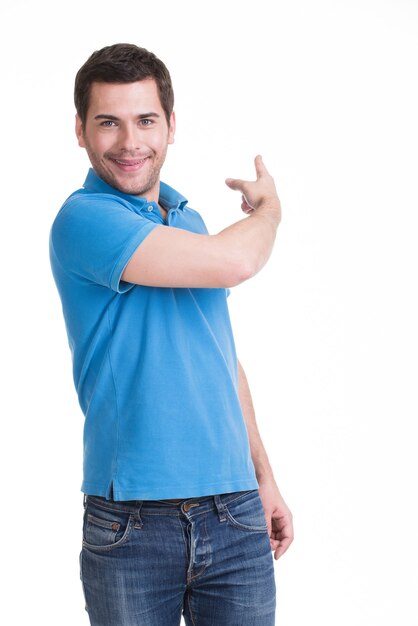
137	515
85	500
221	508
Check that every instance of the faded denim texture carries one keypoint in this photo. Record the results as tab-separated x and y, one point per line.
150	562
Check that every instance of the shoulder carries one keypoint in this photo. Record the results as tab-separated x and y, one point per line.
91	202
98	223
85	209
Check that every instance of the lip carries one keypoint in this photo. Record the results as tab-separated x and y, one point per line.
129	165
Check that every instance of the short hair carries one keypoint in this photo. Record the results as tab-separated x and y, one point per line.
122	63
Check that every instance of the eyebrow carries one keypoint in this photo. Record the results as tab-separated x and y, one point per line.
142	116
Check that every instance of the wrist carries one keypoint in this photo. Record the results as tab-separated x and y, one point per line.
270	207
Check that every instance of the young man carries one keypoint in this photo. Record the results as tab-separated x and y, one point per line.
181	507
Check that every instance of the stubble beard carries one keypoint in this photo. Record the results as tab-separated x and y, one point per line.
129	187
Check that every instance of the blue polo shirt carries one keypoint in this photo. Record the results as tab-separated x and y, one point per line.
155	369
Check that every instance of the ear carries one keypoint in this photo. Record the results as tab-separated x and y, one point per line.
172	128
79	131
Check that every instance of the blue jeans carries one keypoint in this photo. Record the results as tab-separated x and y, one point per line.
147	562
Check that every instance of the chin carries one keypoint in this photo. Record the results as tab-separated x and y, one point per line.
132	190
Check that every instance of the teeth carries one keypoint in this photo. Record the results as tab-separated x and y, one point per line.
129	162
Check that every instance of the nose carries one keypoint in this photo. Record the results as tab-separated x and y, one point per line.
129	137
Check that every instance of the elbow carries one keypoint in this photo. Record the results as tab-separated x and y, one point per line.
238	271
234	263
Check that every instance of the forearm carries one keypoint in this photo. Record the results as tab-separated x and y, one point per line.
252	239
259	456
248	243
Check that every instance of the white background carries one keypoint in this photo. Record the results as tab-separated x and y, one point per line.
326	91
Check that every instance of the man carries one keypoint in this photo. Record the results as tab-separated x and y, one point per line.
181	507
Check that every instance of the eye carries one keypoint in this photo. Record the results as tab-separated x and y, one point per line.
146	122
107	123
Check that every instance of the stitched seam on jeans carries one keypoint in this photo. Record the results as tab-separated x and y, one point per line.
149	511
184	540
207	563
97	521
190	609
242	495
111	546
194	576
102	505
254	529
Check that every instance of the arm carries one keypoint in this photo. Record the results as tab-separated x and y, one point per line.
278	516
172	257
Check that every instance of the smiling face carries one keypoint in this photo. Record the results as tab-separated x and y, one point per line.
126	136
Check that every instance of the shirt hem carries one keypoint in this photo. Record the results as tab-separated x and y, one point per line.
164	493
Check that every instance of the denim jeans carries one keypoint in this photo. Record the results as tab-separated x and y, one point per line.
147	562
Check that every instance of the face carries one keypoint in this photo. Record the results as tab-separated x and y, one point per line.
126	136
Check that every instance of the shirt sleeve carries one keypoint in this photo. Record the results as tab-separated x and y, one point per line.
93	238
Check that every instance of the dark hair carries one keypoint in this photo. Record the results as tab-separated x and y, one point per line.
122	63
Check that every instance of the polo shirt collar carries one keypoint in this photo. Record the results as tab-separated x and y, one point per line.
169	197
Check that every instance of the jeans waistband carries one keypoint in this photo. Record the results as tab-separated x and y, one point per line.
198	504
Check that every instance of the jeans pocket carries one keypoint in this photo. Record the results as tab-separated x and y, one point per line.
105	530
246	512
